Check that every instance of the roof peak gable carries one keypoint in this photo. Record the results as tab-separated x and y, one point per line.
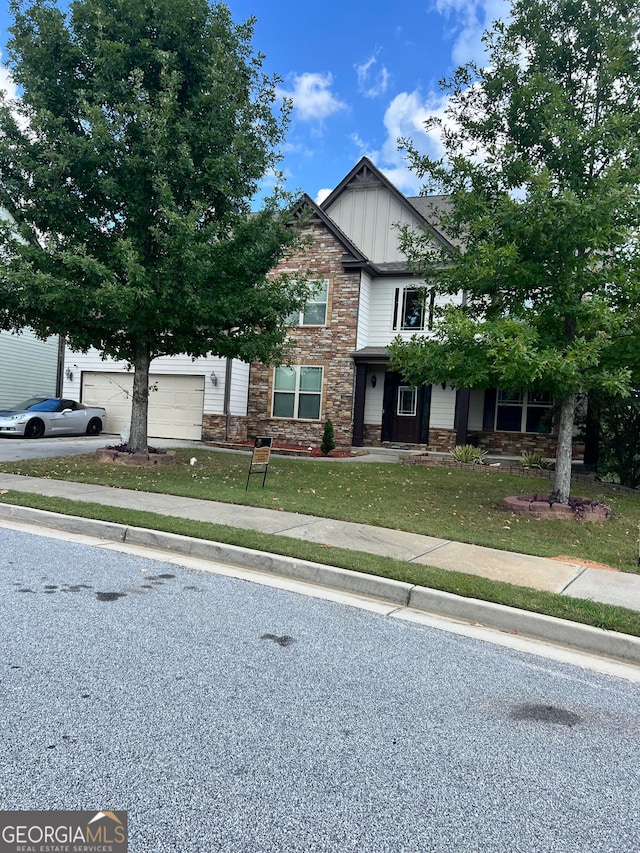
366	175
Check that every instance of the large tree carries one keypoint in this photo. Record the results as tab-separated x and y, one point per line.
142	131
542	168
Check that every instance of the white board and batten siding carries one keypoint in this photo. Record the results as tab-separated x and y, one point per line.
476	410
181	391
374	398
370	217
29	366
364	307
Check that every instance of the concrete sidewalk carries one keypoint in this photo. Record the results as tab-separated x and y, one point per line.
566	578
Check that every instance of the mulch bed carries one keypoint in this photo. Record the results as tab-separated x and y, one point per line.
284	449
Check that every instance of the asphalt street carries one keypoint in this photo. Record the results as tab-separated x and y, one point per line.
228	716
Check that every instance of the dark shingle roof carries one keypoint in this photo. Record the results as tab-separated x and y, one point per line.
430	207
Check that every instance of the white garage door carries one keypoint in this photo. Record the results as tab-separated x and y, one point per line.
175	402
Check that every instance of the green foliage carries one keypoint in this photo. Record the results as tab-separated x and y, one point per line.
541	168
143	132
532	459
469	453
328	443
619	448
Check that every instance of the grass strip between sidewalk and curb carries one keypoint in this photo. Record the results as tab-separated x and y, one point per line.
587	612
460	506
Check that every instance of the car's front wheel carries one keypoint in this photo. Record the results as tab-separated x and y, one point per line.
94	427
34	429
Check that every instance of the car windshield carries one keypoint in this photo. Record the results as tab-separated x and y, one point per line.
38	404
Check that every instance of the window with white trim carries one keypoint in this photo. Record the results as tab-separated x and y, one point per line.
526	411
297	392
315	311
412	310
407	401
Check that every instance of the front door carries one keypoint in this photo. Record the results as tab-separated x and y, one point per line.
405	417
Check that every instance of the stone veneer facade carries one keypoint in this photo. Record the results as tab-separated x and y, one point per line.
507	443
214	428
328	346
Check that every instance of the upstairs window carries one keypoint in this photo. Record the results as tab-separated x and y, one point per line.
315	311
413	309
297	392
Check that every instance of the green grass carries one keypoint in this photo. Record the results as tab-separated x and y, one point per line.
587	612
464	506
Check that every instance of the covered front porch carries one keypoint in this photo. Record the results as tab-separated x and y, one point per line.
388	412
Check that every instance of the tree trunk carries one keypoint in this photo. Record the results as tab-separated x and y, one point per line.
562	480
138	441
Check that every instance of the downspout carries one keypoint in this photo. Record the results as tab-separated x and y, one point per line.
60	367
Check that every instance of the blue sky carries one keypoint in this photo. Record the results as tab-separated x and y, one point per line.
360	74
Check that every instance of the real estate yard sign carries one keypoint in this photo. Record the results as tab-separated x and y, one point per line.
260	458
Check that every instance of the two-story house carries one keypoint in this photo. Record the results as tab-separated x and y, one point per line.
366	295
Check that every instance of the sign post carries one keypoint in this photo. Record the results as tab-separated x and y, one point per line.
260	458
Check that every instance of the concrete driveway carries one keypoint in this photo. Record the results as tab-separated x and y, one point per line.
15	449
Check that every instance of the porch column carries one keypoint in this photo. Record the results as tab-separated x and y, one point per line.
357	439
463	396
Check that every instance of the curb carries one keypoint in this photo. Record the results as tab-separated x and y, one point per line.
562	632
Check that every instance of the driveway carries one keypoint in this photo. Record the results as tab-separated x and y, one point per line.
15	449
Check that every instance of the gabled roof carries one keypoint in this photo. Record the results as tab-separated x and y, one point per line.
365	174
353	256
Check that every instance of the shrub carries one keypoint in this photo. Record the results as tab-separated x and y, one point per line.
532	459
328	443
469	453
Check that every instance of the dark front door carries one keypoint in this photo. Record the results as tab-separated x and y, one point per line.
405	417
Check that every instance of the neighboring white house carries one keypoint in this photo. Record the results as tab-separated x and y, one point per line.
29	366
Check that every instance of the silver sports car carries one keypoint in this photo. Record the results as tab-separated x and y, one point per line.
51	416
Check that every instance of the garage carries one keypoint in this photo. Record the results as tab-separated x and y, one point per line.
176	402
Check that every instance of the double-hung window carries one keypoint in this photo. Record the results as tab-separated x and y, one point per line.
527	411
297	392
413	309
315	311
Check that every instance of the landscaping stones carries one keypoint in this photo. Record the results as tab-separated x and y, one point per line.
539	506
120	456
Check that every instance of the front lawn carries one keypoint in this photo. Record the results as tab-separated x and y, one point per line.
465	506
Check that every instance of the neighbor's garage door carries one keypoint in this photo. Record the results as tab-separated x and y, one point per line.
175	402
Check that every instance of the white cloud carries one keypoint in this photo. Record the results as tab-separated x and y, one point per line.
321	195
372	80
471	19
407	113
9	91
6	82
405	118
312	97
